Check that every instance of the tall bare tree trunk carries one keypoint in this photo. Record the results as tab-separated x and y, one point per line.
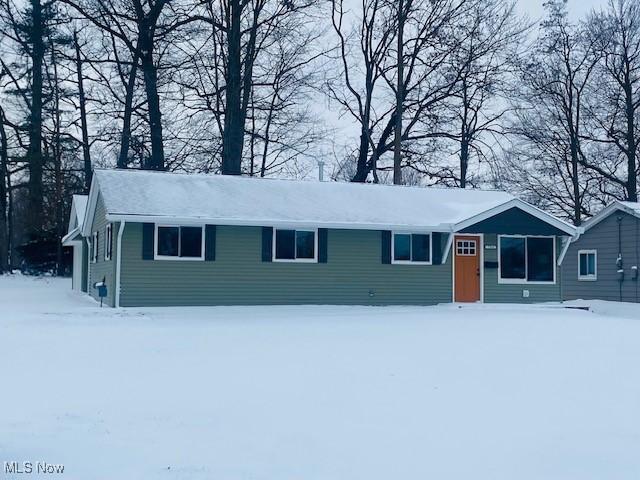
34	153
4	226
397	142
362	163
125	140
233	134
150	73
57	165
86	151
464	137
632	181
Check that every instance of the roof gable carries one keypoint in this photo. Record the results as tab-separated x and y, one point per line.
514	221
632	208
78	208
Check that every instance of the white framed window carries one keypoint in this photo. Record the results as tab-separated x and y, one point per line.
295	245
466	248
587	265
526	259
108	242
94	247
176	242
411	248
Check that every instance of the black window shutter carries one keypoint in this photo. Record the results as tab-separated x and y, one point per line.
386	246
322	245
210	243
97	246
436	248
147	240
267	244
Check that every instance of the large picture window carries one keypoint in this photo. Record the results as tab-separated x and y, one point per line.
587	265
527	259
295	245
412	248
184	243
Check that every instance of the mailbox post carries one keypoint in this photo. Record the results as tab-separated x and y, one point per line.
102	290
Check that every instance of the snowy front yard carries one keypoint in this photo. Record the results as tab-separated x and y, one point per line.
305	393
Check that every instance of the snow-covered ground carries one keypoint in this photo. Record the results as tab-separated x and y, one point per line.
327	393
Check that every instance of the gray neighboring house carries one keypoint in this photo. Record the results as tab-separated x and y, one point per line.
167	239
74	239
603	261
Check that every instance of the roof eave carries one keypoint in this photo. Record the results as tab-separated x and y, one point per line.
175	220
70	238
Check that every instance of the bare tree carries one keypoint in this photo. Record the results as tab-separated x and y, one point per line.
138	26
4	192
245	92
82	104
615	105
490	37
401	17
245	28
429	76
550	154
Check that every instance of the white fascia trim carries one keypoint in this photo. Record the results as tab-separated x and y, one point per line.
72	216
197	221
66	240
605	212
91	207
522	205
118	263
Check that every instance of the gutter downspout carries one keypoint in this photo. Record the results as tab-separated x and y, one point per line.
119	263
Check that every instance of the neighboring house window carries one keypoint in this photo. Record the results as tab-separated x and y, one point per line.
587	265
295	245
179	243
527	259
412	248
94	247
108	243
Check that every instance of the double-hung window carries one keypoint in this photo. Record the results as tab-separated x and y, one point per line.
527	259
587	265
94	247
179	243
412	248
295	245
108	242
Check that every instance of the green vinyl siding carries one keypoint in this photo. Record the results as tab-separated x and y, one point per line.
495	292
354	274
102	269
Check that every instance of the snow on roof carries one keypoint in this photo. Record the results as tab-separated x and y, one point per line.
632	208
251	201
632	205
80	205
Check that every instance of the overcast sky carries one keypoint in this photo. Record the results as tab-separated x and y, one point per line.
578	8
